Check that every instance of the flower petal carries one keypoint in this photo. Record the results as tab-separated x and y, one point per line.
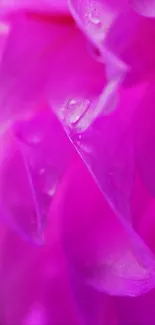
38	45
47	153
31	168
59	6
144	138
144	7
17	199
108	25
106	145
99	250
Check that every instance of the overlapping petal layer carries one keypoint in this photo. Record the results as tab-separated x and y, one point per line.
61	91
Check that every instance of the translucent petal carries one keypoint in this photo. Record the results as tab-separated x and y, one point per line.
36	42
31	169
108	25
106	144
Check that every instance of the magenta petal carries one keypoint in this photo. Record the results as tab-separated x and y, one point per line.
108	25
36	314
105	142
97	16
4	32
19	281
34	280
95	134
69	208
47	153
144	133
59	6
17	198
36	43
138	311
29	44
100	251
144	7
20	87
31	169
94	307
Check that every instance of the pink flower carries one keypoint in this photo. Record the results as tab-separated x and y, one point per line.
77	162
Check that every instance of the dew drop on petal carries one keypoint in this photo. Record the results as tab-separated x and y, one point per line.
48	179
94	23
74	110
94	17
93	20
82	143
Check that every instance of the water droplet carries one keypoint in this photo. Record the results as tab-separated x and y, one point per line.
48	179
82	143
94	21
75	110
94	16
74	106
86	147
